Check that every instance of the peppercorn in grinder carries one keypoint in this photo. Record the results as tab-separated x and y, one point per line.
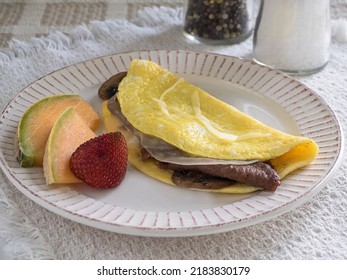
218	21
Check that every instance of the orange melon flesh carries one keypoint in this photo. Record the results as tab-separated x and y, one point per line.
67	134
38	120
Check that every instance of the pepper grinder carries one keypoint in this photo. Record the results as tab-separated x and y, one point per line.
293	36
218	21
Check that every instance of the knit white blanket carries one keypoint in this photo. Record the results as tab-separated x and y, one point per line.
315	230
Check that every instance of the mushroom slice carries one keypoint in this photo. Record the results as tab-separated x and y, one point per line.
110	87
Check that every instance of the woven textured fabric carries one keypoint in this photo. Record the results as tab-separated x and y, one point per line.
315	230
34	18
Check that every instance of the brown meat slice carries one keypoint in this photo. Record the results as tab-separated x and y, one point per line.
199	180
258	174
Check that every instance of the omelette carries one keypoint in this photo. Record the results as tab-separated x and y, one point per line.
210	145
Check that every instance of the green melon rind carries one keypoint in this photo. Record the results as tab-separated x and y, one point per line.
25	153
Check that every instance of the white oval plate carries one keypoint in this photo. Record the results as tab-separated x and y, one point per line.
144	206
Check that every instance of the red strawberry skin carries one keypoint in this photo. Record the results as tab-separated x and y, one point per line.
102	161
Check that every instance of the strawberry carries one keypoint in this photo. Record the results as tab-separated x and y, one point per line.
101	162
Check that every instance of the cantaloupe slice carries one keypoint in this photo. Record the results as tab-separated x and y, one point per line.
67	134
37	121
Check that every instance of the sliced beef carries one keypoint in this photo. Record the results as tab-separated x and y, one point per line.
258	174
199	180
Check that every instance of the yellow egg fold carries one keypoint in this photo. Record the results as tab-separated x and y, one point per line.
162	104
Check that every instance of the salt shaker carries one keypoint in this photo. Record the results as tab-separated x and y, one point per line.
293	36
218	21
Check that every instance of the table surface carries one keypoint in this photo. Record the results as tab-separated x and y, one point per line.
23	20
315	230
